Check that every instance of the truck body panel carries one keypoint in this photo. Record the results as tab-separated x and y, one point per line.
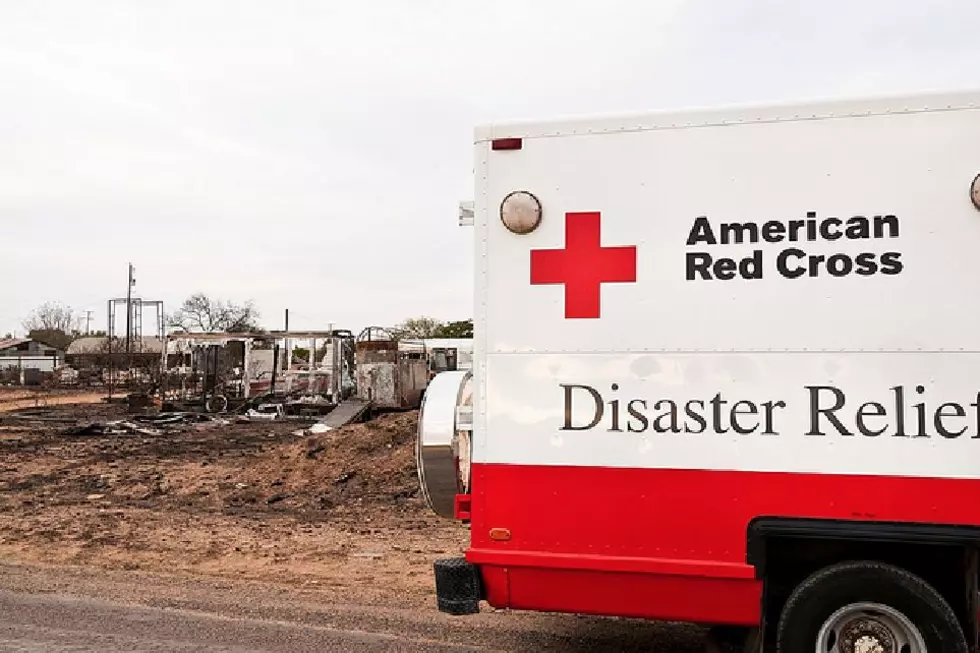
722	316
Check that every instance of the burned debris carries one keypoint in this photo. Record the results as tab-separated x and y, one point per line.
258	374
321	380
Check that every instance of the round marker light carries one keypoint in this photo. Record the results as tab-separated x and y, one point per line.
520	212
975	191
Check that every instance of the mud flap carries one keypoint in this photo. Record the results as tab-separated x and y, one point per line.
458	586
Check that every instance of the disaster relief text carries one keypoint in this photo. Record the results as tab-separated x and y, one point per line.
906	412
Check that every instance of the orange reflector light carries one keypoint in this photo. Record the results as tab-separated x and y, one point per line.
499	534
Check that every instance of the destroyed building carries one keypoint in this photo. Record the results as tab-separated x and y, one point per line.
231	371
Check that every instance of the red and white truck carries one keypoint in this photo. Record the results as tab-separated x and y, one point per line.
726	371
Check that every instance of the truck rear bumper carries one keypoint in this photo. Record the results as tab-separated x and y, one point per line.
459	588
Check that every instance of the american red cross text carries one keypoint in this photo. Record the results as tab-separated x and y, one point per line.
583	266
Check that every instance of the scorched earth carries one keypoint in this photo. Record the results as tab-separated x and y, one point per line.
153	512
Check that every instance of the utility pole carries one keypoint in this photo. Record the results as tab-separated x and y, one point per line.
129	316
88	322
288	343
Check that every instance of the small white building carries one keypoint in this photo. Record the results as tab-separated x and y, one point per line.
29	354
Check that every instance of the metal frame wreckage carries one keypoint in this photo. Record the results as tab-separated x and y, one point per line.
343	378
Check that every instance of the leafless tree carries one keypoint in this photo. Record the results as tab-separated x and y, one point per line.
202	313
50	316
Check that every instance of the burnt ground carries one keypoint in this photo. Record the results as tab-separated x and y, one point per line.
249	521
339	510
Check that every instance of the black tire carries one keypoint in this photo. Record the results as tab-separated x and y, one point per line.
834	587
216	404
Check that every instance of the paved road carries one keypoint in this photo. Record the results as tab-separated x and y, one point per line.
58	624
33	623
51	611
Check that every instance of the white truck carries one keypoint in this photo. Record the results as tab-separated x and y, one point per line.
726	371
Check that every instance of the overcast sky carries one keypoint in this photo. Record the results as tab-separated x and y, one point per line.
311	155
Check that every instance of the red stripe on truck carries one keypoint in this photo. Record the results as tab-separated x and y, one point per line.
666	544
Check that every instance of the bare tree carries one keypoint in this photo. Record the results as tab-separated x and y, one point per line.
50	316
202	313
51	323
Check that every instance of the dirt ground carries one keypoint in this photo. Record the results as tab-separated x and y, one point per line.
339	511
249	520
17	398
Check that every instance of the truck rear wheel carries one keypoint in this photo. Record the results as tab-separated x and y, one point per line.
854	607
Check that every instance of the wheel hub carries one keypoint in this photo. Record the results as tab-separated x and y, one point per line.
869	628
867	635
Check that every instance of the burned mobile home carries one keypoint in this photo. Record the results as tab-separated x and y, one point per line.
268	375
219	372
392	373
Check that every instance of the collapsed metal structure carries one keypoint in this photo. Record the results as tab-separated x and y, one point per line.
220	372
254	374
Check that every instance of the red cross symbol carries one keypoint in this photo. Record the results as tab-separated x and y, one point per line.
583	266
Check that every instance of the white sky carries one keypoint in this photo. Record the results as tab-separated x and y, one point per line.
311	155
